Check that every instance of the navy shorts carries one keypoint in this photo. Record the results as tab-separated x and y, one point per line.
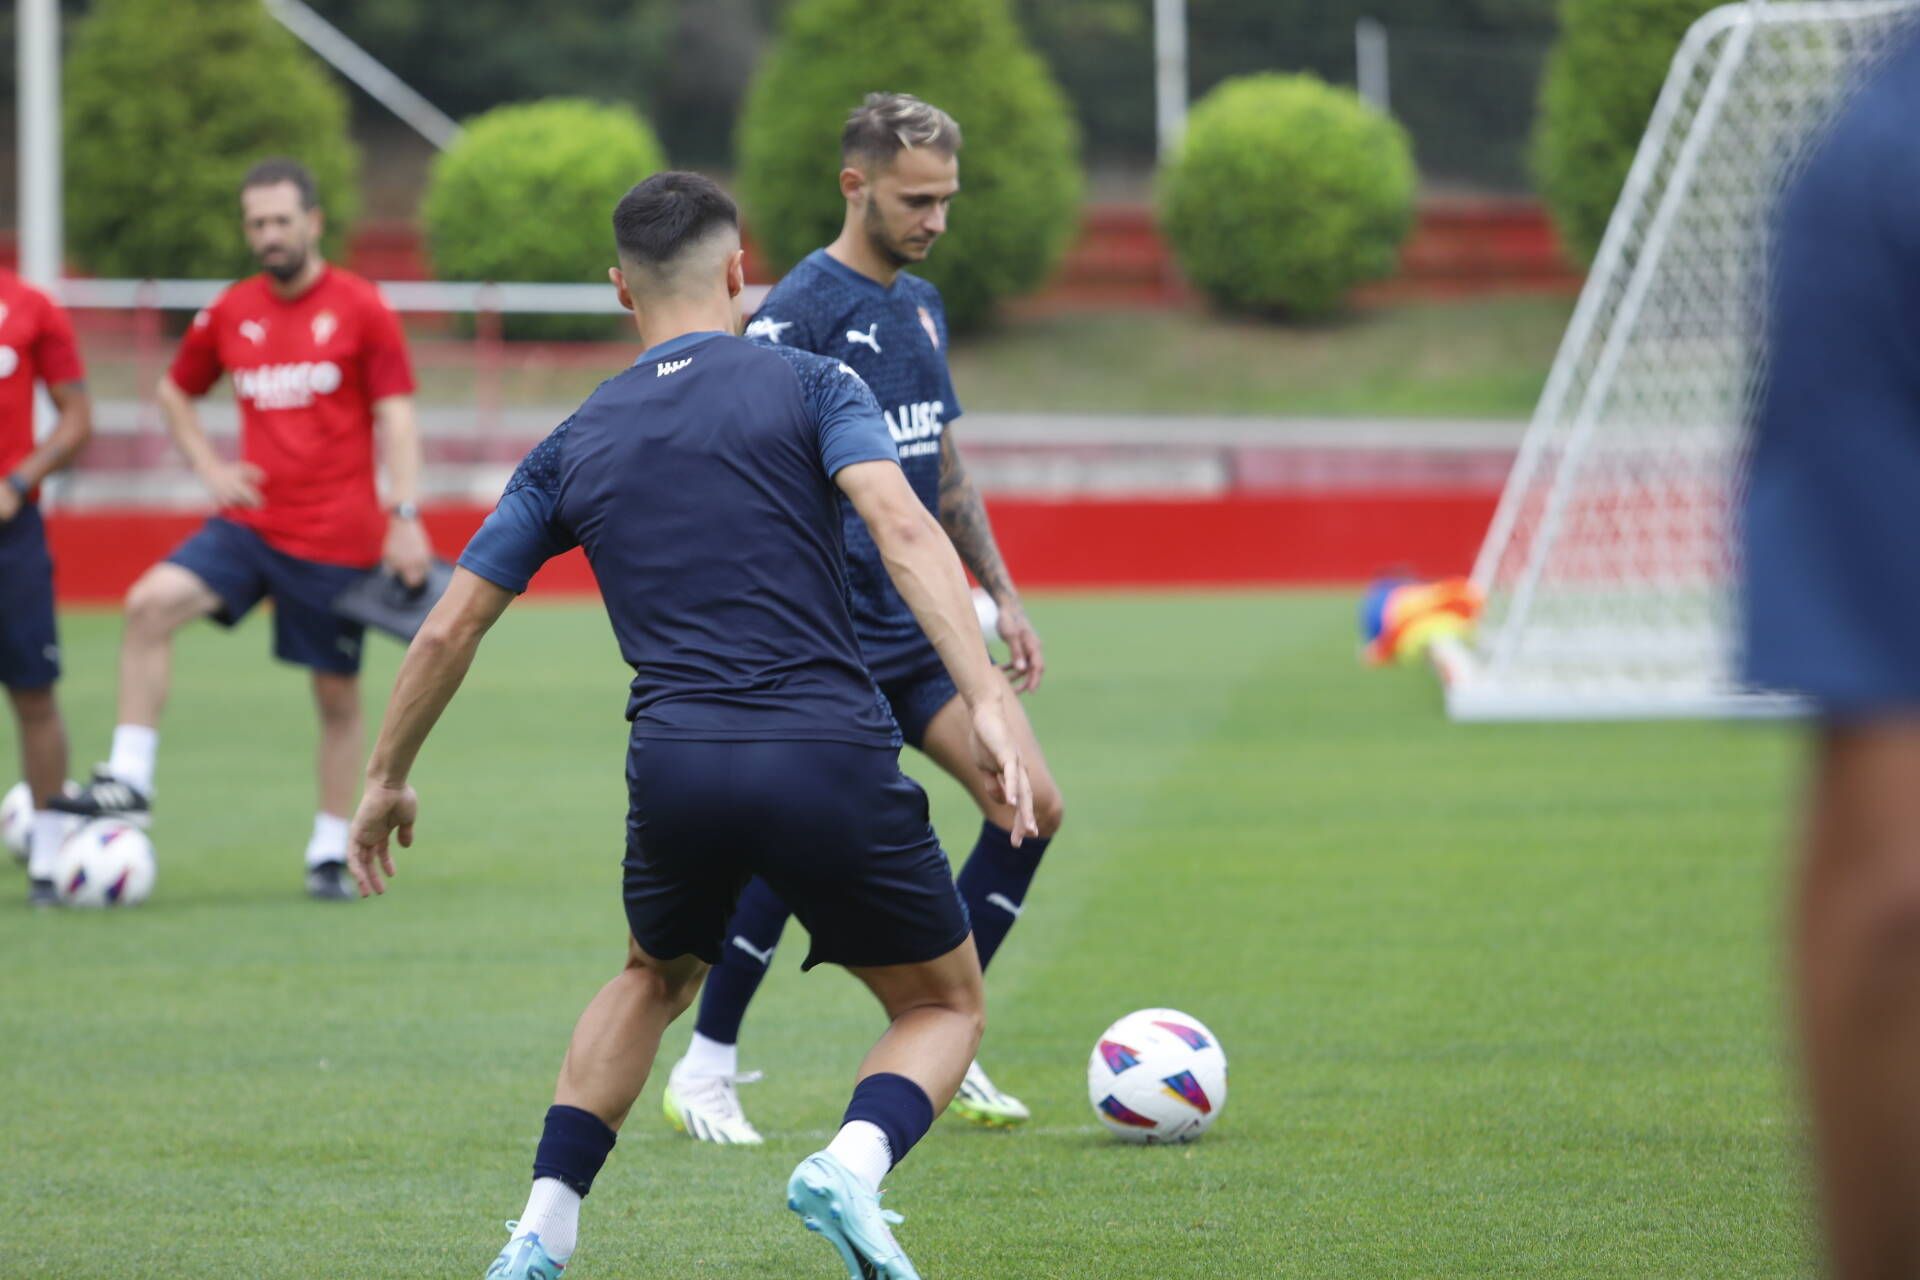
840	834
917	697
242	570
29	642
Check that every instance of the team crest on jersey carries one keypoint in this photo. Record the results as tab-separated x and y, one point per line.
933	333
324	327
253	331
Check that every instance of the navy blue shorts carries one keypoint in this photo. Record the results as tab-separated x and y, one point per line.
242	570
840	834
29	642
917	697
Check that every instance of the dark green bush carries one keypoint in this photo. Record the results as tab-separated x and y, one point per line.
527	193
1019	173
165	111
1285	193
1602	80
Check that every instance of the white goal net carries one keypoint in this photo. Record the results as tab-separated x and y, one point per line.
1609	571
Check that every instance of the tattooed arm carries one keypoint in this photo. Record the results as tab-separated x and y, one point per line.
964	517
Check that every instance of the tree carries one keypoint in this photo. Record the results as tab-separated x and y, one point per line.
164	115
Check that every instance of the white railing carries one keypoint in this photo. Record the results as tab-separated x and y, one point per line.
431	297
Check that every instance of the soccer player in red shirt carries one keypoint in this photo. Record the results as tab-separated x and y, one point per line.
318	363
36	345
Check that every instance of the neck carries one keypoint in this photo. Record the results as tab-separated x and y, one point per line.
290	289
667	319
854	248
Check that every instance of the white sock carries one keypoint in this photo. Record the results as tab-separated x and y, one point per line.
49	831
862	1147
553	1214
134	747
710	1058
329	842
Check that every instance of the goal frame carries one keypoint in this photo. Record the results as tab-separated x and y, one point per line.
1471	670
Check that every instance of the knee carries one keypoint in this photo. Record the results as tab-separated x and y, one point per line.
338	700
1049	810
148	607
674	986
33	708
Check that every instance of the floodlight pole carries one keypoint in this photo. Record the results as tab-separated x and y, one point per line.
37	64
1170	72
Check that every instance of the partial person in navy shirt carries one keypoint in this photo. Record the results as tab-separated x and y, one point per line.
855	301
1832	541
702	483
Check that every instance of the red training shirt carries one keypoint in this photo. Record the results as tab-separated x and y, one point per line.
306	373
36	342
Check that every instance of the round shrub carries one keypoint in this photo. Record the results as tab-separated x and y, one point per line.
164	115
527	193
1019	173
1602	80
1285	193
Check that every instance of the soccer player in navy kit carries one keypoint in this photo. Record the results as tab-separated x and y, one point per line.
1831	541
703	484
853	301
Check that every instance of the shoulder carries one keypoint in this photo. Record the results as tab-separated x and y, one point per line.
813	371
240	294
540	469
355	290
923	291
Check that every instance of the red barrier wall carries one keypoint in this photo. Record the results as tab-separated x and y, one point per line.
1265	540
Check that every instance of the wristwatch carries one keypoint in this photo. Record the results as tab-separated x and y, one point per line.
404	511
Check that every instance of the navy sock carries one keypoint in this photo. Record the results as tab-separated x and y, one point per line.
573	1147
994	885
752	934
896	1106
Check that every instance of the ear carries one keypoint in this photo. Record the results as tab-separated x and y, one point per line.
317	220
736	273
620	286
853	183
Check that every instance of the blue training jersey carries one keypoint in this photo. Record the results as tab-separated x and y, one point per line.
700	484
895	338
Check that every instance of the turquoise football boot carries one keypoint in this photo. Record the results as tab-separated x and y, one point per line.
832	1201
524	1259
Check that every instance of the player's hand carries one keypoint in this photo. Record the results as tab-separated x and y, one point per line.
1025	665
997	755
408	555
383	810
234	484
10	502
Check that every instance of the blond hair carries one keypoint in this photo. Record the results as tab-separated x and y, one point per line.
888	123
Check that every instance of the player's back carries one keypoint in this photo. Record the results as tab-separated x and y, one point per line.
695	483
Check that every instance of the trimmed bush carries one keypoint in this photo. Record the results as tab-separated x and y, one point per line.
1019	173
527	193
1602	80
165	113
1286	192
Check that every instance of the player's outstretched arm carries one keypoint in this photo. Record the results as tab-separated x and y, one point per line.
435	664
964	516
927	573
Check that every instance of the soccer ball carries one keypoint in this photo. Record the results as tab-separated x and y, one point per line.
16	820
106	863
1157	1076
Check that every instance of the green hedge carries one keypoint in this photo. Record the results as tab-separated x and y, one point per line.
164	115
1602	80
1019	172
527	193
1285	193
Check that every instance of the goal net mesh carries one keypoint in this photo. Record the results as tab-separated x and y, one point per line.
1609	571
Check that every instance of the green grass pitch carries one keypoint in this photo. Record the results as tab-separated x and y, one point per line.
1499	1001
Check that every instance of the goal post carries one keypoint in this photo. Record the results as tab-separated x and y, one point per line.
1609	571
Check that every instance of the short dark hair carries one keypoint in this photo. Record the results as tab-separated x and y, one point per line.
660	217
888	123
278	169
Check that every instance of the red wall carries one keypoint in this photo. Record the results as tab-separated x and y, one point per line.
1264	540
